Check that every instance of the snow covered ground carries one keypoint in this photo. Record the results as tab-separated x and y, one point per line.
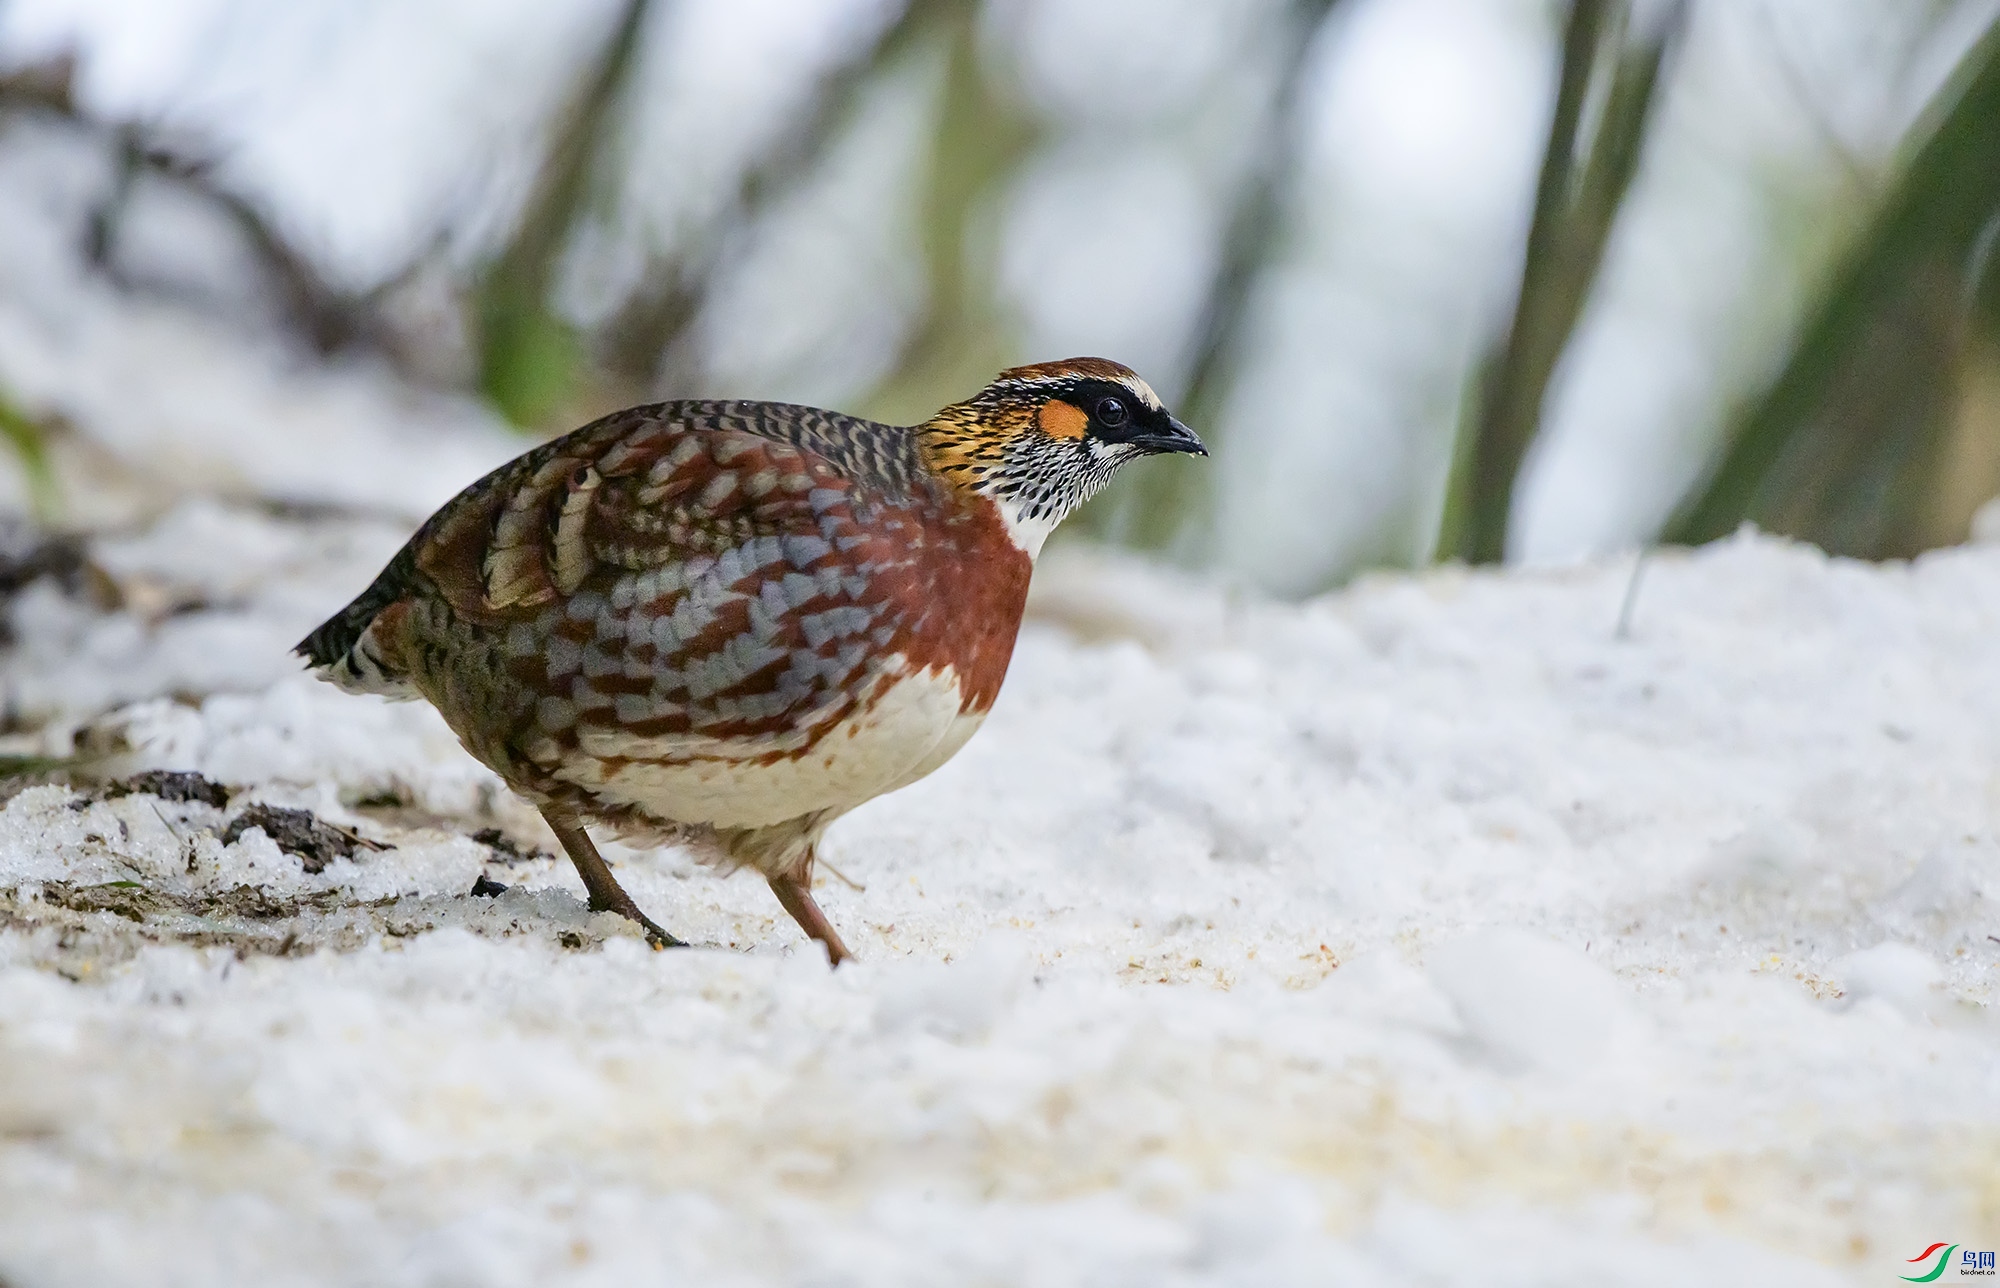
1429	933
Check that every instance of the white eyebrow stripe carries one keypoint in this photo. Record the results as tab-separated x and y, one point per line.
1145	392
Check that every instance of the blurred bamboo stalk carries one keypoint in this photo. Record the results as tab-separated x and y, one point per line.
979	140
645	348
1880	435
529	358
1169	503
1577	198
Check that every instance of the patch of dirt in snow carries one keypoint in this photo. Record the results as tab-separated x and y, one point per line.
158	859
1425	934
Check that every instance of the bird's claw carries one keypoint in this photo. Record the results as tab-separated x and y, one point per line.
659	940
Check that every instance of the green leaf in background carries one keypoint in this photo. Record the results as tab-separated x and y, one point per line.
28	439
1880	436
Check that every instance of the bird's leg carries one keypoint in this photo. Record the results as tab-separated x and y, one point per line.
794	890
606	895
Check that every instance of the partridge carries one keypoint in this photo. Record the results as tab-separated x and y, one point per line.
729	623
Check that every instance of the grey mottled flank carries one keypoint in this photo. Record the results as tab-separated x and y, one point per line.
882	457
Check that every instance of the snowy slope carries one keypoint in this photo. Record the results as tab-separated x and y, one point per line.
1430	933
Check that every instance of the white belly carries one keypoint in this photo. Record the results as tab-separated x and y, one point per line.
912	728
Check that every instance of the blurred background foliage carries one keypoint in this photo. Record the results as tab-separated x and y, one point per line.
1467	279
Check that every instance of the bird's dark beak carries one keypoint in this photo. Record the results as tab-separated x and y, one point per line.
1176	437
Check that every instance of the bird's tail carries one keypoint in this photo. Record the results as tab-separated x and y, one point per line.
346	649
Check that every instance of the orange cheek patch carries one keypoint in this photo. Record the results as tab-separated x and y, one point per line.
1060	420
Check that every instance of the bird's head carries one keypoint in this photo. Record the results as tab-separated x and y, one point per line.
1041	440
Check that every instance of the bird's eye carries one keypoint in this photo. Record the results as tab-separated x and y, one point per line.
1110	412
